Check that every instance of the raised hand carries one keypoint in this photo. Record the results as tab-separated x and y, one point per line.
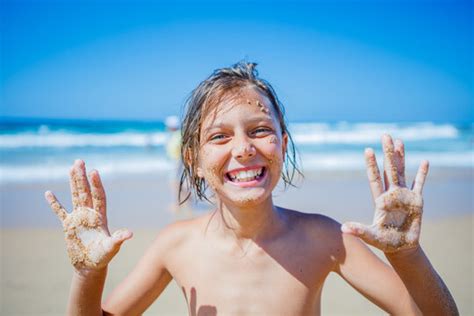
89	243
398	210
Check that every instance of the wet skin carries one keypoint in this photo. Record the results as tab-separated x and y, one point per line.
249	256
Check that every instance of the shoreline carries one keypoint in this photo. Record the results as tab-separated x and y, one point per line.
36	272
142	201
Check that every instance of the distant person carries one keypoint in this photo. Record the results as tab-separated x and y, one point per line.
173	144
173	152
249	256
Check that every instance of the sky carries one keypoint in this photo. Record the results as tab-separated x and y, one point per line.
388	61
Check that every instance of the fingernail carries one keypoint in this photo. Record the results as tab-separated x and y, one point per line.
386	137
92	173
47	195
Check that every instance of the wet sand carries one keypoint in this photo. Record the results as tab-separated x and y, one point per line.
35	270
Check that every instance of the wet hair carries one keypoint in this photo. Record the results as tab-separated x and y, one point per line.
202	100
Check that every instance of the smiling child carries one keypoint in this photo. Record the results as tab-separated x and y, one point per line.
248	256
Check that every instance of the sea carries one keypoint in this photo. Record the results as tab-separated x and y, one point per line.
44	150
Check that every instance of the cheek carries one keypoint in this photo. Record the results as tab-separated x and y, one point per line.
274	153
211	166
212	177
273	140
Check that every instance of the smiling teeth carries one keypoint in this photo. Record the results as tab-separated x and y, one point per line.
245	176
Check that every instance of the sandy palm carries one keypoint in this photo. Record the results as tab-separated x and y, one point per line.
398	210
89	243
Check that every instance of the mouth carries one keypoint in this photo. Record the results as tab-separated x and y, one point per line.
247	176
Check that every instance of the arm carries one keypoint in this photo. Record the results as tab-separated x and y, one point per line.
373	278
86	292
396	229
146	281
425	285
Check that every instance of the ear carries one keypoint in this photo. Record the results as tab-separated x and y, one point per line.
189	163
284	144
188	158
200	173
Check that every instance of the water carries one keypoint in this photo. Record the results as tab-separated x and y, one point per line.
44	150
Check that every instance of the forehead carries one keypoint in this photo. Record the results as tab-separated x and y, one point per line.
244	101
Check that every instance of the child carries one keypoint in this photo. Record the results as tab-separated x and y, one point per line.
249	256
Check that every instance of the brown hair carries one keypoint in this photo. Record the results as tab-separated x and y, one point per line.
198	105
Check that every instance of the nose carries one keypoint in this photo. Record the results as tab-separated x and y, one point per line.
243	149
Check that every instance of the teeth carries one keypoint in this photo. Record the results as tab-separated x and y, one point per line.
244	176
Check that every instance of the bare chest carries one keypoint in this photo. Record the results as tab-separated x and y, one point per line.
256	280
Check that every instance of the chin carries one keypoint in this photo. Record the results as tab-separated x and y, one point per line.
247	199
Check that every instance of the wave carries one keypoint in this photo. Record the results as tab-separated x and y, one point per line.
65	140
370	133
303	133
355	161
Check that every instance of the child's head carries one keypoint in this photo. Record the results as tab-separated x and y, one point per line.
225	86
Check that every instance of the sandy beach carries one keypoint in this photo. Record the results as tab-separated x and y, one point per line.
35	270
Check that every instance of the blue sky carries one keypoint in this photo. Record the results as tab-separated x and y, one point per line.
328	60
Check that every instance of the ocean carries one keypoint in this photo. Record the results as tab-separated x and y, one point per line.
33	150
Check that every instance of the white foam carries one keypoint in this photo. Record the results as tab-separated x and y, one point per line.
353	161
303	133
65	139
365	133
45	172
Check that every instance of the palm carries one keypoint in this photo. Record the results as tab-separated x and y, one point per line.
89	243
398	210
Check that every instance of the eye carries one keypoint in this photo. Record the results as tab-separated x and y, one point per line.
217	137
262	131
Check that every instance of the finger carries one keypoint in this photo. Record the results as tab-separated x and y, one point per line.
373	173
385	180
420	178
55	205
112	244
400	161
357	229
72	184
98	193
121	235
389	161
80	189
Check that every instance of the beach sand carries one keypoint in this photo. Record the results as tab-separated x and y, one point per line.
35	270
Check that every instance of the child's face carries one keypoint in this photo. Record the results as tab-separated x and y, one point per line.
242	148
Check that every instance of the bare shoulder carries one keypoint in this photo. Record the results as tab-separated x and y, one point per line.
155	269
316	237
313	223
322	232
174	237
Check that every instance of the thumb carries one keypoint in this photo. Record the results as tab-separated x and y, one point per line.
121	235
357	229
112	244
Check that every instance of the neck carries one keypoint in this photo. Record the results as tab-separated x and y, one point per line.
259	221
